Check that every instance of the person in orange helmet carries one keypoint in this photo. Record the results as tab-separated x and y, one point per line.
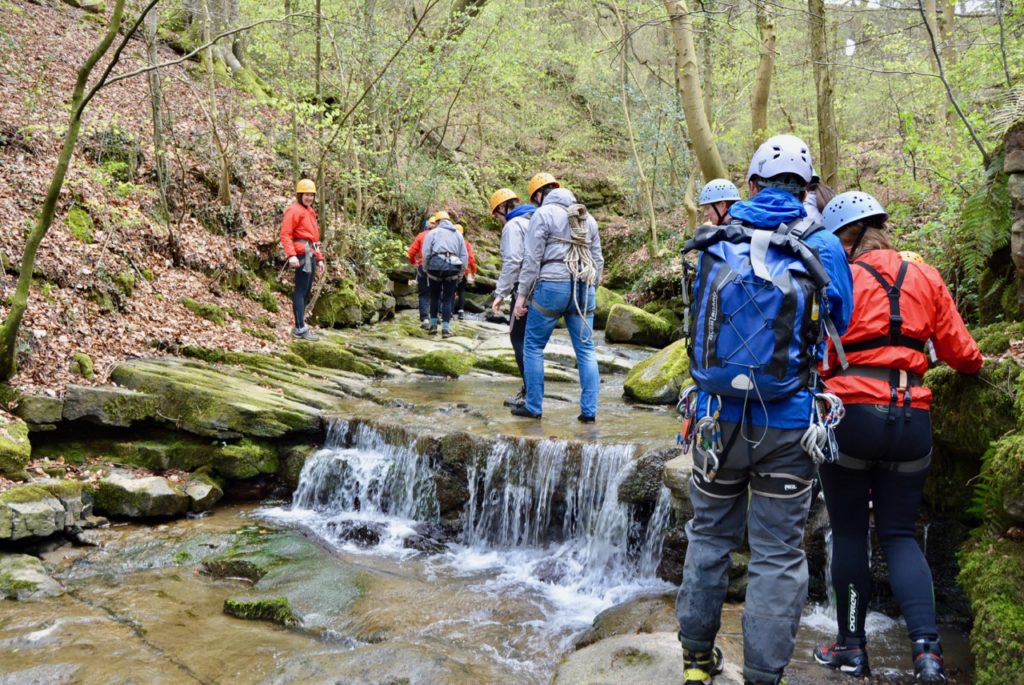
300	238
469	277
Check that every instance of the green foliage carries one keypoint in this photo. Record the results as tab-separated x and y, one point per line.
79	224
81	365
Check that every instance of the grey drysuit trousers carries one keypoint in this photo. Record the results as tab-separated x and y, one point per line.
765	490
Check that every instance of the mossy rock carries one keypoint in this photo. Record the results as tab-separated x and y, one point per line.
969	412
444	362
81	365
39	409
108	406
204	310
293	458
273	609
339	308
643	486
246	459
203	491
328	355
150	497
15	448
605	299
995	339
24	577
1000	492
659	378
42	508
992	575
629	324
157	451
80	224
501	363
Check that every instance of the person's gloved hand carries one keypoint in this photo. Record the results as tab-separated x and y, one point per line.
293	262
320	267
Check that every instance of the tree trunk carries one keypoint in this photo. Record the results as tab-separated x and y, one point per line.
931	17
645	186
293	117
19	302
707	61
156	109
224	181
828	132
690	93
947	21
763	76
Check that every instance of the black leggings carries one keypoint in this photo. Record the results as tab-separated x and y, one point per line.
517	334
866	433
303	287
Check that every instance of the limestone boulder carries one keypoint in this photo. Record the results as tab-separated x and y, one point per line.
203	491
39	410
605	300
42	508
149	497
658	379
108	406
15	449
648	614
644	484
629	324
247	458
24	577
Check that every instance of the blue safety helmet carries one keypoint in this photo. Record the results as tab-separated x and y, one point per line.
848	207
718	190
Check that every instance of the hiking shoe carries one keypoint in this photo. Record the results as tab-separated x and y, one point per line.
583	418
848	659
432	329
305	334
778	681
445	333
425	324
521	410
699	668
518	400
462	316
928	665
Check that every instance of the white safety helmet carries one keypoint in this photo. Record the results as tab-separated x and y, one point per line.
848	207
785	154
718	190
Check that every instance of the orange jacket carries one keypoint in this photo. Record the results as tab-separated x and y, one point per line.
928	313
415	251
471	267
299	223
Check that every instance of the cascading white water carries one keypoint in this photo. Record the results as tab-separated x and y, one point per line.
368	495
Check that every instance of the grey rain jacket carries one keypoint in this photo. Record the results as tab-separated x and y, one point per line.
547	243
445	240
811	205
513	243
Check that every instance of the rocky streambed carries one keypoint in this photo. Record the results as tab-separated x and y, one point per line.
403	527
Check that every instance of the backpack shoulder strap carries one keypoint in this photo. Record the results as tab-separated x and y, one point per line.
895	338
801	229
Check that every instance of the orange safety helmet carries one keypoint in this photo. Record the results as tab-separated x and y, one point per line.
460	229
501	196
539	181
911	256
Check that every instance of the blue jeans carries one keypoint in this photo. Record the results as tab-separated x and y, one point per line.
556	297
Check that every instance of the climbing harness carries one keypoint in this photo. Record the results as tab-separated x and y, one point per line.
706	432
819	440
580	264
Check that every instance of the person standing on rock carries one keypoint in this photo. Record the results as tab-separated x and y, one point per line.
515	218
885	440
562	264
716	197
444	259
300	238
469	277
751	412
415	255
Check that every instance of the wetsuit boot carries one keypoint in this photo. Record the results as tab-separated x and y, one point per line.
928	665
700	668
847	657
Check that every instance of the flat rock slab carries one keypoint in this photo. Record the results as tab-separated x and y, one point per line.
108	406
651	659
150	497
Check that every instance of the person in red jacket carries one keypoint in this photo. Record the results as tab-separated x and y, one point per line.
300	238
469	277
885	438
415	255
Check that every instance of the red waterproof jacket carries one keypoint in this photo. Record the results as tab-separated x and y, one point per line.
299	223
415	251
471	267
928	313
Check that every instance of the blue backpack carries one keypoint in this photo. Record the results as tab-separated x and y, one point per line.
758	315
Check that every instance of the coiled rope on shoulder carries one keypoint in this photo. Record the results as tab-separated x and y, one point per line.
580	262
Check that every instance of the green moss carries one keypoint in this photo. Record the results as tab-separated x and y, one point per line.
246	459
292	359
968	412
11	586
330	356
80	224
444	362
15	449
125	282
22	494
274	609
342	307
658	379
630	324
159	452
204	310
992	575
995	338
632	656
258	334
500	363
148	274
605	299
999	492
117	169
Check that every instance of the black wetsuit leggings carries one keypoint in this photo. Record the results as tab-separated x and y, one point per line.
517	334
303	288
866	433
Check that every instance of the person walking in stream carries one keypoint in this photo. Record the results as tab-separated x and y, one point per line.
415	256
515	219
444	258
300	238
885	440
768	286
562	264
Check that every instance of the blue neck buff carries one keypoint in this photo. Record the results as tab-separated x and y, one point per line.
521	210
769	208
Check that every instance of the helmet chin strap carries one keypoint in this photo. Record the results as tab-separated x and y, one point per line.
856	242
